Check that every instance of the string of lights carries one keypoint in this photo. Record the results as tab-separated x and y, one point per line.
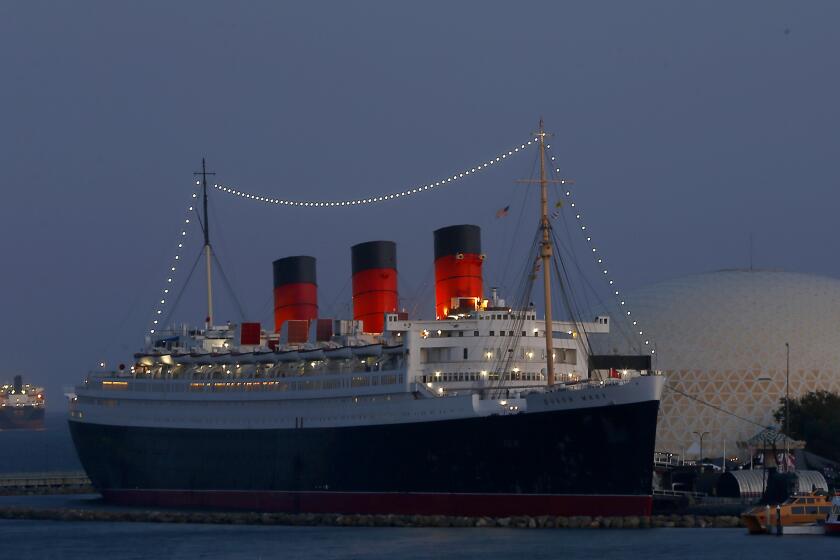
599	260
176	261
382	197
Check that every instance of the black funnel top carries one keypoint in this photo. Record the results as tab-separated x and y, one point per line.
374	254
294	270
452	240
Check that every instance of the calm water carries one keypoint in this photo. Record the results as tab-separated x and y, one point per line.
50	449
59	540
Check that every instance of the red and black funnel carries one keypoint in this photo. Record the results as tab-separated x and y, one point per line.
374	283
458	260
295	290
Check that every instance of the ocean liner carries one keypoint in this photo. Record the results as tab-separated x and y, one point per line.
488	409
22	406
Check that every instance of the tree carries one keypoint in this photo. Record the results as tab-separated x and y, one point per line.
815	419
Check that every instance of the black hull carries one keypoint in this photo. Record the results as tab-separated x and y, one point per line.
540	463
21	418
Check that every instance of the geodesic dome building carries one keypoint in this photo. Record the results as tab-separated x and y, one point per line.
720	338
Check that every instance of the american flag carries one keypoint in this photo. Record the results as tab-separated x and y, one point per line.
503	212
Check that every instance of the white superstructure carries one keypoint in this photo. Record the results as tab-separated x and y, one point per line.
490	361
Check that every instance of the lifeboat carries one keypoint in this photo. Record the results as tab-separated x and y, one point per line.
315	354
199	357
181	358
340	353
368	350
145	358
264	357
219	358
288	356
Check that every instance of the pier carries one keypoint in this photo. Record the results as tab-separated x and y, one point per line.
70	482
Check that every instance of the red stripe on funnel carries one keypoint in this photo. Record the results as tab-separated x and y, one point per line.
374	294
295	301
456	278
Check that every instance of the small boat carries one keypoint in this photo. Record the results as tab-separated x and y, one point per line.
832	524
807	529
798	510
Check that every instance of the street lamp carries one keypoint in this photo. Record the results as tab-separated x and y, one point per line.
787	389
700	435
787	400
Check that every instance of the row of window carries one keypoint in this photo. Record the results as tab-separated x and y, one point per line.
447	334
98	401
507	317
568	398
448	353
303	385
467	376
800	510
278	369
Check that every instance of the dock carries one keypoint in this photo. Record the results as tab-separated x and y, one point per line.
61	482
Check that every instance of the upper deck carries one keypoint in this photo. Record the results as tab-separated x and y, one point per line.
473	352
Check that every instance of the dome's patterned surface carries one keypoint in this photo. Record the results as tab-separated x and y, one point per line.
720	337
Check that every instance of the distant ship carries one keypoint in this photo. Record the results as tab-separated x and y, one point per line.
488	409
21	406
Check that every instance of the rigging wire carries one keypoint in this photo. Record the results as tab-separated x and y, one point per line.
219	234
334	305
710	405
505	353
571	307
228	285
603	305
176	261
626	313
423	290
266	317
526	195
117	331
183	289
571	246
564	283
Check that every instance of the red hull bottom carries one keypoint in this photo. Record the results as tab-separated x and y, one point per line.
471	505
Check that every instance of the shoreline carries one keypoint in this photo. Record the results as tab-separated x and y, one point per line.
349	520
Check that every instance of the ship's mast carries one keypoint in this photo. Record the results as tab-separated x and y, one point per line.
546	253
208	250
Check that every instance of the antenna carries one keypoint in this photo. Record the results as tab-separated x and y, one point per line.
751	251
208	251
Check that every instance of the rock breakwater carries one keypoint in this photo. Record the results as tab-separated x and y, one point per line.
344	520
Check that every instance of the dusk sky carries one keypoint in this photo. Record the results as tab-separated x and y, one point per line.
688	128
